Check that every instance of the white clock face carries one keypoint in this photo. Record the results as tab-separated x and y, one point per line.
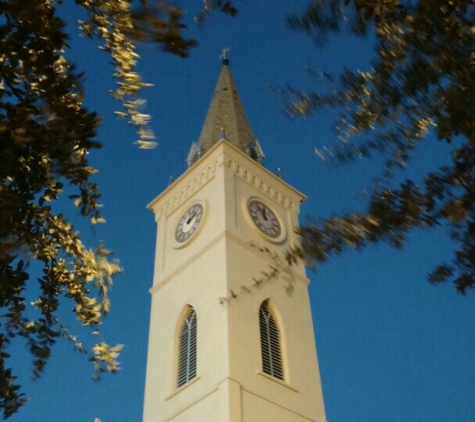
189	223
264	218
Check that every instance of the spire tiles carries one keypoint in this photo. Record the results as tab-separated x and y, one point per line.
226	119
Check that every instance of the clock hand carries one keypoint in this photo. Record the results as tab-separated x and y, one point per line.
263	212
191	218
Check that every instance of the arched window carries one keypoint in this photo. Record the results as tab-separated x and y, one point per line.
187	349
270	343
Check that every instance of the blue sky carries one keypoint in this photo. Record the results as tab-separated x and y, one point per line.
391	347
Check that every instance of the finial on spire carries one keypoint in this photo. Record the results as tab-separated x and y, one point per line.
223	55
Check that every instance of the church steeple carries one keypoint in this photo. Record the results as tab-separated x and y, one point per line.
226	119
231	335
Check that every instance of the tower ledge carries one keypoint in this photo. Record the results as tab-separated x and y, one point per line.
224	153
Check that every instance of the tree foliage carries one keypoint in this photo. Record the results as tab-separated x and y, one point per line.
420	88
45	136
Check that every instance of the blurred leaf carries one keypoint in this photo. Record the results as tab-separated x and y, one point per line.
421	83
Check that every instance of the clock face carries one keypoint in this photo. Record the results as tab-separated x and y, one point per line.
264	218
189	223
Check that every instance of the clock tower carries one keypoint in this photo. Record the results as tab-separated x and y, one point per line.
231	333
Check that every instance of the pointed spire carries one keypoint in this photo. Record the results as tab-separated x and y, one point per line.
226	115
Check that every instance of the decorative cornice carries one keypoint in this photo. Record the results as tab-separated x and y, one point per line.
224	153
267	189
185	187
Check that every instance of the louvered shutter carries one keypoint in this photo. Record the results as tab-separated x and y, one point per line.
270	343
187	349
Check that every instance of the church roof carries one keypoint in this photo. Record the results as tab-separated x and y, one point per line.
226	118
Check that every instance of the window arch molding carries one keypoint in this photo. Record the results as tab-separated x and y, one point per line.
186	335
271	340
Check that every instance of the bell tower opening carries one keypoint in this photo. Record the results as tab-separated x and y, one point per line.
187	348
271	342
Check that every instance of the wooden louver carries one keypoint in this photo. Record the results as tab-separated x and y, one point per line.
270	343
187	349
